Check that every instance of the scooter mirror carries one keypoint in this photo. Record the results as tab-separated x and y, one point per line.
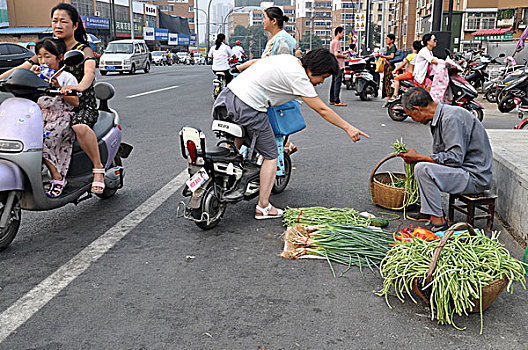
502	55
73	58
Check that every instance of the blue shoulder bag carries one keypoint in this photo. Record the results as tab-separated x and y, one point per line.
286	119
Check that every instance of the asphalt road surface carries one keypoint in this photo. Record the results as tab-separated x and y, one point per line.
126	273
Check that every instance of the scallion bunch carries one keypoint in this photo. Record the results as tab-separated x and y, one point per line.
410	186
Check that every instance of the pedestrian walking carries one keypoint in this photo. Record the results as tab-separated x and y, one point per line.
336	50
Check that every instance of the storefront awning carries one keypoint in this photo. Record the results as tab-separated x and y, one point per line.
495	31
25	30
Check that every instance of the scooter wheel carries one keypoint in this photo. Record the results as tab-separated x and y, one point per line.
8	233
214	209
282	181
491	95
363	96
478	113
395	110
348	86
507	104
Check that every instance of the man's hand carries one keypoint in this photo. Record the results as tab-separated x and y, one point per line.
355	134
411	156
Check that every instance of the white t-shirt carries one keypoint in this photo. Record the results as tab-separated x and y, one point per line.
421	64
220	56
66	79
238	51
271	82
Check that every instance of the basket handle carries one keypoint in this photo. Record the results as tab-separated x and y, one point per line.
443	241
379	164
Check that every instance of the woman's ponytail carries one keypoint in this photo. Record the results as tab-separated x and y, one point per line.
219	40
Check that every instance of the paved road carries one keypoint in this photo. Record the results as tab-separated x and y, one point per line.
169	285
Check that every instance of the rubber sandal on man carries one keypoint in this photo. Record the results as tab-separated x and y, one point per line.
265	213
436	228
95	184
340	104
56	188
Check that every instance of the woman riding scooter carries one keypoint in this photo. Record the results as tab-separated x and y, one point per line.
68	26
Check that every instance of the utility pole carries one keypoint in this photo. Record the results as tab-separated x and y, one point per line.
208	22
131	20
367	28
112	14
437	15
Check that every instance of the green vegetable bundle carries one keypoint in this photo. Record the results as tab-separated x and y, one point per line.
319	215
350	245
410	185
466	264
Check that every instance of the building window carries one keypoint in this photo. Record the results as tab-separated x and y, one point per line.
256	23
480	20
307	23
85	7
380	7
307	32
347	5
347	16
322	23
191	8
380	18
191	20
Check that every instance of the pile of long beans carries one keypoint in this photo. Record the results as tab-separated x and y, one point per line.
410	186
466	265
350	245
318	215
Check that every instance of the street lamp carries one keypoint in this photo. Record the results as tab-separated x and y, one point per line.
228	14
208	23
196	24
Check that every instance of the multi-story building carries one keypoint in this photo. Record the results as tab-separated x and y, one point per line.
180	8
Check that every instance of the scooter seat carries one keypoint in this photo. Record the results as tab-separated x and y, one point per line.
104	123
216	151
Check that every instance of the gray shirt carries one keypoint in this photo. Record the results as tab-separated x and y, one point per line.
460	141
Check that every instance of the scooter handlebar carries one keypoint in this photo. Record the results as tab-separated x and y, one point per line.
57	92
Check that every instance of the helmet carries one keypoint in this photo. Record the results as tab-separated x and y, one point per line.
238	42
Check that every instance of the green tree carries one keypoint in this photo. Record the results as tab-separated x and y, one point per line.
304	44
375	36
253	39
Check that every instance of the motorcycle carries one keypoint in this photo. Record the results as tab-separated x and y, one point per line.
522	107
517	87
22	179
216	171
477	75
365	79
461	93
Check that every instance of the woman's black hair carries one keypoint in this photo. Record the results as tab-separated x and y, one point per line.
219	40
392	37
54	46
275	12
320	62
80	33
426	38
417	45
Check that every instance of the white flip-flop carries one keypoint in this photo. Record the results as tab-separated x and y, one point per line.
266	213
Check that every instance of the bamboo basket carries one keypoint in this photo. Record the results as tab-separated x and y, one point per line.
383	194
489	293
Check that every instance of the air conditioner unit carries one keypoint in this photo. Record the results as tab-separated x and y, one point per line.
97	13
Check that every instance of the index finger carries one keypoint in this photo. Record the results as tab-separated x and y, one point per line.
362	133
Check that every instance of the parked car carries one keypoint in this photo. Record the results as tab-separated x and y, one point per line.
125	56
13	55
159	58
199	59
184	57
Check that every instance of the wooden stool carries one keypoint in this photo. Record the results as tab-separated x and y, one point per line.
482	201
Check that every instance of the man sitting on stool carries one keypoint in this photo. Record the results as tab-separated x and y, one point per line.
461	160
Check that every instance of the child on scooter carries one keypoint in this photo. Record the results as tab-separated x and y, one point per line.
56	113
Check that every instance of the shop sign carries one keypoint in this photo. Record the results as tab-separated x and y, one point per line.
184	39
4	15
96	22
148	33
161	34
193	39
505	36
151	10
123	29
173	39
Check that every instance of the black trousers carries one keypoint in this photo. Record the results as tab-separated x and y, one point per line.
335	87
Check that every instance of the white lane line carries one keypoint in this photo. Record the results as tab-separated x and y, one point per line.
34	300
153	91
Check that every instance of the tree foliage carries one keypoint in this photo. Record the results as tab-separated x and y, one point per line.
253	39
304	44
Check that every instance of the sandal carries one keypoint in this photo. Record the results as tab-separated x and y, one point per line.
56	187
290	148
265	213
95	184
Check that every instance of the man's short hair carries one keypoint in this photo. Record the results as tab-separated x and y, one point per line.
320	62
338	30
416	97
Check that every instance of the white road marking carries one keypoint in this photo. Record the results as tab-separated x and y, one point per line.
153	91
34	300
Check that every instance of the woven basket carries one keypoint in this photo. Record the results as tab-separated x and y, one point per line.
489	293
383	194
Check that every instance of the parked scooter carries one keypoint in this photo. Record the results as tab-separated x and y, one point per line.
366	81
216	171
517	87
22	181
461	93
522	109
348	74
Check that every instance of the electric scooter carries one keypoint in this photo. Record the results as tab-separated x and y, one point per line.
23	179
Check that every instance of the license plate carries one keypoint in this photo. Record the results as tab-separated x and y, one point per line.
348	76
197	180
110	67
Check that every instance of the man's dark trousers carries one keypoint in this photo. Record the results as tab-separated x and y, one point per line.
335	87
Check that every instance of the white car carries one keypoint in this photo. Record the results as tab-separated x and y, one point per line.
184	57
125	56
159	58
199	59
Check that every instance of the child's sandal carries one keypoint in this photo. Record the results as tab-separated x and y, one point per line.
56	188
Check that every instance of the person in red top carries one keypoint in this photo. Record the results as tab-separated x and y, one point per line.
336	50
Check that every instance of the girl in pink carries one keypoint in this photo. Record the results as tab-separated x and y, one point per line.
56	113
